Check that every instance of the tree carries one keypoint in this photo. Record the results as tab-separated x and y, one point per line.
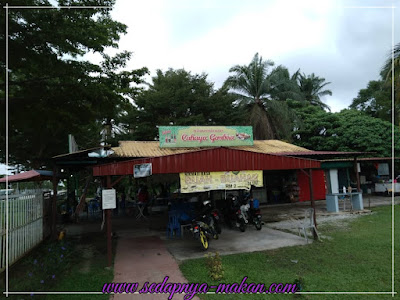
176	97
375	100
386	71
348	130
387	76
312	88
260	90
53	90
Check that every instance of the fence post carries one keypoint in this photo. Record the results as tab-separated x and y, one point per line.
54	204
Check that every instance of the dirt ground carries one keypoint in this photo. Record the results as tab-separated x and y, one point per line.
274	216
287	216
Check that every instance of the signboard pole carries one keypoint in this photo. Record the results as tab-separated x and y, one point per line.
310	181
108	221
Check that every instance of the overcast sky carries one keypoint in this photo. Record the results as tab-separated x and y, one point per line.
345	45
333	39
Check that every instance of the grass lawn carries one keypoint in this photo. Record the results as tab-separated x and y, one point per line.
357	257
75	264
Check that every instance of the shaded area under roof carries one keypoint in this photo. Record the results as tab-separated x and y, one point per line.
32	175
80	153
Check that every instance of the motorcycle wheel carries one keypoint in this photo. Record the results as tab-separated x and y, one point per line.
203	240
242	226
258	225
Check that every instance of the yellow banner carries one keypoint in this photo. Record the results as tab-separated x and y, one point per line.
233	180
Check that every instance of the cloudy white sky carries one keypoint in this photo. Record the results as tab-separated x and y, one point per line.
337	40
343	41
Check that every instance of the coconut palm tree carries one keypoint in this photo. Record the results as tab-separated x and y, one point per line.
387	76
312	88
283	86
386	71
259	89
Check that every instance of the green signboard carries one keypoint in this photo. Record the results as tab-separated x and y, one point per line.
205	136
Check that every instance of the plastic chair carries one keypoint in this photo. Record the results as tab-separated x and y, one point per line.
173	227
307	223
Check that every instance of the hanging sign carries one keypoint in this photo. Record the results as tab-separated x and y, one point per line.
232	180
142	170
205	136
108	199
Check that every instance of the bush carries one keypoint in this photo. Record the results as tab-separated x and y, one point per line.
214	265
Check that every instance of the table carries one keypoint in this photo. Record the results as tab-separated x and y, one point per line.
332	201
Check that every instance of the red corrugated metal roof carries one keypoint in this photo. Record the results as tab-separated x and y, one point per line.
209	160
32	175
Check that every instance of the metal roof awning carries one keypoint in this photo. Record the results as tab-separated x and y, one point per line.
323	153
32	175
362	159
209	160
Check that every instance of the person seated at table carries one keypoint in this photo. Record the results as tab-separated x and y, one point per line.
143	198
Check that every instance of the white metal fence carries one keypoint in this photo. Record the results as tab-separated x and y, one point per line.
25	225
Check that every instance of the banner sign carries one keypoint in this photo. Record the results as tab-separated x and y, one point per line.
233	180
142	170
205	136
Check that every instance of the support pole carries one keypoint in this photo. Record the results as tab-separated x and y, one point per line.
312	201
357	175
108	222
82	201
54	205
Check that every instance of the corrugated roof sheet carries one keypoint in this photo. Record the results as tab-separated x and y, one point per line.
209	160
32	175
361	159
152	148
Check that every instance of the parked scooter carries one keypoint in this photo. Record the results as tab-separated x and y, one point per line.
255	213
235	214
206	226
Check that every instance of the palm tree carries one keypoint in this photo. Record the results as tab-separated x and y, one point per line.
386	74
312	88
283	86
259	90
386	71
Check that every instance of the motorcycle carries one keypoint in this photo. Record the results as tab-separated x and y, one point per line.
236	214
206	226
255	214
243	216
216	220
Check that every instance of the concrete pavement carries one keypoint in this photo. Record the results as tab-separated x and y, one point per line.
145	259
232	241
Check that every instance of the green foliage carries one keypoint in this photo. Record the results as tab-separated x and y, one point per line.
176	97
260	91
74	264
312	89
214	265
53	90
348	130
375	100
